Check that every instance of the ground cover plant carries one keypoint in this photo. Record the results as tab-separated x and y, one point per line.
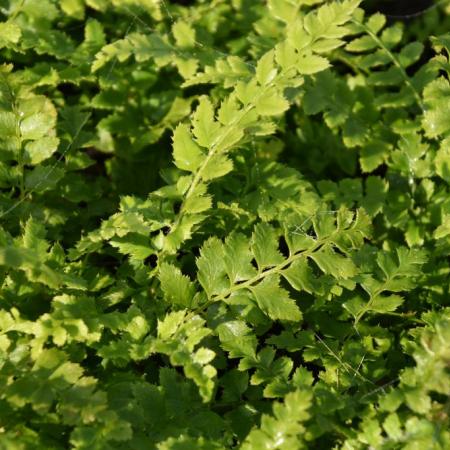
224	224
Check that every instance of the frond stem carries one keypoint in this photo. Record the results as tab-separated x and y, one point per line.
395	60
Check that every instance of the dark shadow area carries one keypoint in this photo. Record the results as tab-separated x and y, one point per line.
398	8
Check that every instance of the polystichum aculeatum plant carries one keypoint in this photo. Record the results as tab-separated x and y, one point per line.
224	225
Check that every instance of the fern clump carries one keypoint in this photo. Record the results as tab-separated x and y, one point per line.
223	225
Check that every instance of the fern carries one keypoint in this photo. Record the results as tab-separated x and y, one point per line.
248	108
28	131
283	430
393	64
223	225
386	427
236	276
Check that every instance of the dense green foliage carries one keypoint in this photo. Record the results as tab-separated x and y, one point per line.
223	226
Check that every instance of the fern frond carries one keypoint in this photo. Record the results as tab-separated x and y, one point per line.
376	53
227	272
